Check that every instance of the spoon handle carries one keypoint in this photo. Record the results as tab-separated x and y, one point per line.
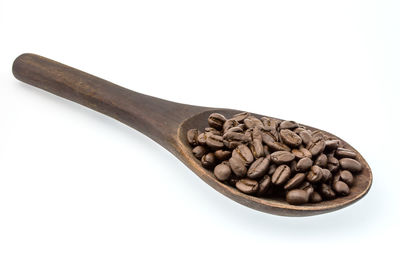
158	119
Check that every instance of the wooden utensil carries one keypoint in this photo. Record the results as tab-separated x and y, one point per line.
166	123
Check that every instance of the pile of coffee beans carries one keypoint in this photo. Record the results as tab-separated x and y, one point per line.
267	157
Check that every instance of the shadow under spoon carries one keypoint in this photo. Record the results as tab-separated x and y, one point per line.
166	123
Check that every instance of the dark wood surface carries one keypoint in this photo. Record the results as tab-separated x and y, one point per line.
166	123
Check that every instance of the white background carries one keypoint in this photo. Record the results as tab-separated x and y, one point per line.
75	181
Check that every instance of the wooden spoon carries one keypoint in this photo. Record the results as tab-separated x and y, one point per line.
166	123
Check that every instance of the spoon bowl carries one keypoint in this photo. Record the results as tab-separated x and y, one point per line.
166	123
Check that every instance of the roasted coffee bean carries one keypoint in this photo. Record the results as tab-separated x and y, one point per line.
266	150
307	187
216	120
288	125
208	160
333	163
281	175
341	188
321	160
350	164
290	138
222	171
267	137
316	148
277	146
272	169
315	197
282	157
247	186
252	122
214	142
304	164
306	152
257	148
233	180
231	136
331	144
212	131
235	129
326	175
201	139
297	197
258	168
222	155
317	136
293	167
240	116
295	181
199	151
238	167
229	124
327	192
264	185
345	153
315	174
232	144
192	136
297	153
269	123
243	152
298	130
347	177
305	137
256	134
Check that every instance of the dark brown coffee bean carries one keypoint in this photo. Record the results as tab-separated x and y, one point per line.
350	164
272	169
297	197
231	136
192	136
268	137
306	152
305	137
199	151
317	136
282	157
288	125
304	164
212	131
277	146
208	160
315	197
201	139
345	153
326	175
290	138
327	192
243	152
333	163
258	168
281	175
269	123
214	142
341	188
321	160
238	167
229	124
293	167
222	155
295	181
216	120
222	171
256	133
256	148
252	122
247	186
315	174
235	129
231	145
331	144
264	185
307	187
297	153
298	130
240	116
347	177
316	148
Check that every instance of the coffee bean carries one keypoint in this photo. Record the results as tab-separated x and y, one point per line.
199	151
269	123
288	125
345	153
315	197
327	192
281	175
201	139
295	181
258	168
235	129
192	136
208	160
264	185
214	142
307	187
222	155
240	116
282	157
315	174
297	197
293	167
298	130
321	160
212	131
304	164
229	124
222	171
341	188
231	136
257	148
243	152
317	136
306	152
350	164
256	133
290	138
277	146
331	144
247	186
251	123
272	169
238	167
266	150
316	148
326	175
347	177
333	163
216	120
305	137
